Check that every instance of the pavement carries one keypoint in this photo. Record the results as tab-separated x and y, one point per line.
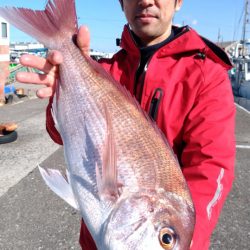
32	217
233	229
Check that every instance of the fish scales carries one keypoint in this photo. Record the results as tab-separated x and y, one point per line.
99	120
149	159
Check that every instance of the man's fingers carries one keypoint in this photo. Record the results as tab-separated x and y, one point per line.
44	92
83	39
34	78
55	57
50	65
46	65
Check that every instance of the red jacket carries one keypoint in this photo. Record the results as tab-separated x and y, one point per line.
187	91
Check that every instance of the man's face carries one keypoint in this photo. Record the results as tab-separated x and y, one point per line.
150	20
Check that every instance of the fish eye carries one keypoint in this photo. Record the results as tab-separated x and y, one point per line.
167	238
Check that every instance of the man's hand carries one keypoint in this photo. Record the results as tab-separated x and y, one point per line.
49	65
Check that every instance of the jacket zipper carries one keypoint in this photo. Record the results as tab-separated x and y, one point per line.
155	103
135	76
157	96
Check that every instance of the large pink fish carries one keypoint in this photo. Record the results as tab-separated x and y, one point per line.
124	176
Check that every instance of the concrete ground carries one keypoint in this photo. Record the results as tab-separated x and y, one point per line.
32	217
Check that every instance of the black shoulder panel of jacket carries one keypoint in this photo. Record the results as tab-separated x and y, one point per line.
217	50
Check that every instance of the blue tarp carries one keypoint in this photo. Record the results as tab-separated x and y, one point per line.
9	89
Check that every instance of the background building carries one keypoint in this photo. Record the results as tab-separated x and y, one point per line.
4	55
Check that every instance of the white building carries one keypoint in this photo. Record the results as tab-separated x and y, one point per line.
24	46
4	54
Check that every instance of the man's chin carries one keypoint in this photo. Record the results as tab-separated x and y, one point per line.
146	34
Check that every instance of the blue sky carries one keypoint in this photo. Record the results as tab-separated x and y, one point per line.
105	19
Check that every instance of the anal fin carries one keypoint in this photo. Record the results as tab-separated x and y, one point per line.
59	185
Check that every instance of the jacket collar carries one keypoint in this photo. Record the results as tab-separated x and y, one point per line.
186	41
128	43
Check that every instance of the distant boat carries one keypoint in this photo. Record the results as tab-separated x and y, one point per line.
240	75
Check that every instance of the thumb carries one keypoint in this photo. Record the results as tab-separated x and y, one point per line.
83	39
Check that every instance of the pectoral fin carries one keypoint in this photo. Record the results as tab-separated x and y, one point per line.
107	180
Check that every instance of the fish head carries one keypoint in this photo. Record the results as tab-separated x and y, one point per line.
150	220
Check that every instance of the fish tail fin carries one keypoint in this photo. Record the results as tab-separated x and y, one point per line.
57	22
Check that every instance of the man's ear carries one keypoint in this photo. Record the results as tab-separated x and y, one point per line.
178	4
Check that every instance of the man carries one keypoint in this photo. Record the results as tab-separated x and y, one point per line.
181	80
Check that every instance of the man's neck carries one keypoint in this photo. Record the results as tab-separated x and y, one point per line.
146	42
151	43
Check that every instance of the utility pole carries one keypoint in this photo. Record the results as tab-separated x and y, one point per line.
219	37
246	20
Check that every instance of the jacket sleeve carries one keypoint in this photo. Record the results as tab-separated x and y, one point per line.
50	124
209	153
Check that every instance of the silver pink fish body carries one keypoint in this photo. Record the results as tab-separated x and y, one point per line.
125	178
